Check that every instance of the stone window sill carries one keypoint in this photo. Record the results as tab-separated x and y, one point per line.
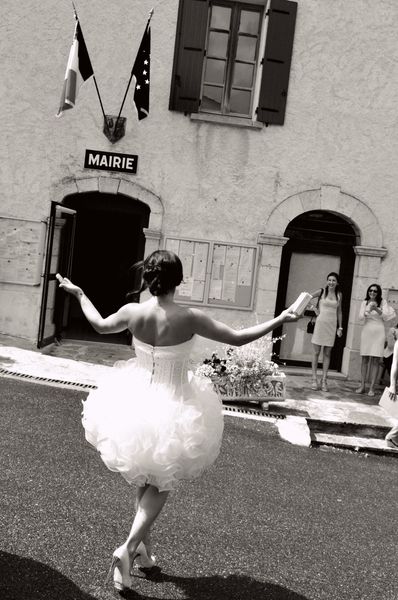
226	120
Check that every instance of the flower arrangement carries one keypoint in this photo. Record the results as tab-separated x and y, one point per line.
245	372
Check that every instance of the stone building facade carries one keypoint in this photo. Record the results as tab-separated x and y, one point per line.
217	171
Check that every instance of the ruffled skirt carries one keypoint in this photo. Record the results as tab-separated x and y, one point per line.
149	433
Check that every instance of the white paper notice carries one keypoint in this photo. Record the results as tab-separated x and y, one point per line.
230	273
200	261
215	289
245	271
198	290
217	268
186	256
185	288
219	253
229	291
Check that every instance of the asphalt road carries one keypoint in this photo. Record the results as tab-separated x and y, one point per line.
269	521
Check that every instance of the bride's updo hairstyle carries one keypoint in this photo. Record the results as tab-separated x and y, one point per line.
161	272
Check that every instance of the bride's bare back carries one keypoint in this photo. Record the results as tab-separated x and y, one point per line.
161	322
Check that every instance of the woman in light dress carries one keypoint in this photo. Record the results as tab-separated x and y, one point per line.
373	312
328	324
152	420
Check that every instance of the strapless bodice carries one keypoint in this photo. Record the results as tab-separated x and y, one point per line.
167	365
152	419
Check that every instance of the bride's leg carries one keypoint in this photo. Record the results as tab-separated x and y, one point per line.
146	539
149	506
139	493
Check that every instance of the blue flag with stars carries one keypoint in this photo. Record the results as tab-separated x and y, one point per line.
141	72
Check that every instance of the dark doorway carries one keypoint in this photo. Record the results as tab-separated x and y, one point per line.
319	242
109	240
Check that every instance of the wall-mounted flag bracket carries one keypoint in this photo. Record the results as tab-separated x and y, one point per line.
114	127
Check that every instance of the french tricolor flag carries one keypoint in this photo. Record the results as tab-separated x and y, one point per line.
78	70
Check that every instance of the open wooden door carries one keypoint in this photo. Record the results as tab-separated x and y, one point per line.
59	254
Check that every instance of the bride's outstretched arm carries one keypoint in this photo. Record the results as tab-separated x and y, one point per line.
220	332
116	322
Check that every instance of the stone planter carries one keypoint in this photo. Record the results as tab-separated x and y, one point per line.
271	387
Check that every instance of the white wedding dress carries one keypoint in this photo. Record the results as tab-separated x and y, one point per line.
152	419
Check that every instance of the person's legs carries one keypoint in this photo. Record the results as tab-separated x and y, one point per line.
314	363
149	504
140	492
392	436
364	371
374	369
325	366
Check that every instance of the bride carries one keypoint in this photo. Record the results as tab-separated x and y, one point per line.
152	420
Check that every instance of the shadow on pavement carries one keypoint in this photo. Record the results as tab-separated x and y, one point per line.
25	578
217	587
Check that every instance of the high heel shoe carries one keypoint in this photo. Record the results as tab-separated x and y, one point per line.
120	567
142	558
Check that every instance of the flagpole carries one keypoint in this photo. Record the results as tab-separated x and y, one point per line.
131	76
95	81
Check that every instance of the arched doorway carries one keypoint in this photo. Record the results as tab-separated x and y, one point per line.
319	242
109	239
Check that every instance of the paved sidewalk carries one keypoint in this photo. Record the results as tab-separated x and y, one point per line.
340	417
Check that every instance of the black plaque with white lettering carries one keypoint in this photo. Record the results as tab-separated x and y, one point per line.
110	161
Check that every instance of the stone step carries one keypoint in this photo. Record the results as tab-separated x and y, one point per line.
348	429
360	444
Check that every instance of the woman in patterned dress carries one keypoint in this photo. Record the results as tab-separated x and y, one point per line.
374	311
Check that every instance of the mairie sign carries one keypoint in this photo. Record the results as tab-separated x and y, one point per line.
110	161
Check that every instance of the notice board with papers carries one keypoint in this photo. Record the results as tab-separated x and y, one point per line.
194	256
215	273
232	275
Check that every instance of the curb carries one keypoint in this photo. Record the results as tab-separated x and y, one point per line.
349	436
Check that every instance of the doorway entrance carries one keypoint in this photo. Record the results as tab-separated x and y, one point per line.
109	239
319	242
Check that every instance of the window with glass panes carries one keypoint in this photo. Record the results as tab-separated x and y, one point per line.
230	62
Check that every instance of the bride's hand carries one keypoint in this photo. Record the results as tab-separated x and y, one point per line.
289	316
68	286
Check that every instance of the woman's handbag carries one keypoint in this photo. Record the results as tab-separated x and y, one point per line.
311	325
311	322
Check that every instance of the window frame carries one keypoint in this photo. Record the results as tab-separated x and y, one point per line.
231	60
274	63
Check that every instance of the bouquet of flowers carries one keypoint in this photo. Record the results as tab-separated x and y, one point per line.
245	372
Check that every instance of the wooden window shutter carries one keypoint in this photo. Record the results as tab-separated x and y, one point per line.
188	55
276	62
